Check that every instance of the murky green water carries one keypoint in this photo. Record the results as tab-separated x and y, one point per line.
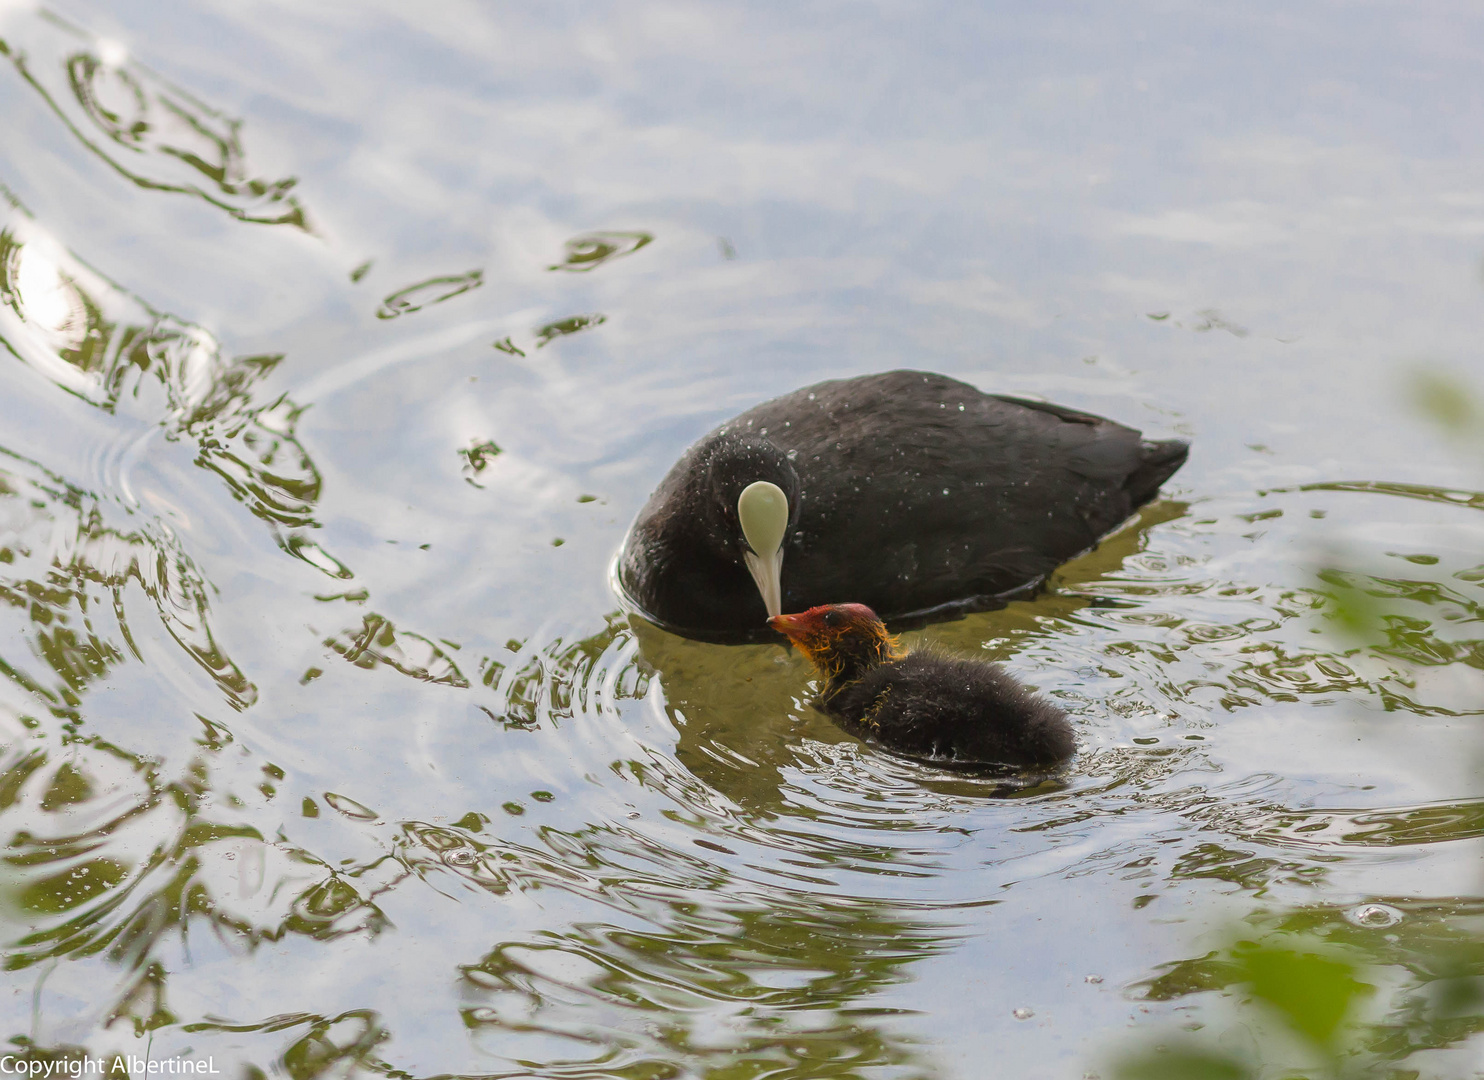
341	345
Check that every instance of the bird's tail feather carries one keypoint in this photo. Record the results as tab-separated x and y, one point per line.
1159	461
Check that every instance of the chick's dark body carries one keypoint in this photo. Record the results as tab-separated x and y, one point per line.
914	492
949	709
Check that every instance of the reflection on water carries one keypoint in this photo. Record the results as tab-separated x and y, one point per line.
377	641
67	571
319	756
94	339
478	457
676	973
433	291
562	327
543	336
156	135
187	866
778	878
1474	499
1425	957
588	252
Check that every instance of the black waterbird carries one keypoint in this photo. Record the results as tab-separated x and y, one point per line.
917	493
923	704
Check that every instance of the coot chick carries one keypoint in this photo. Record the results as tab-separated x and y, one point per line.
916	493
923	704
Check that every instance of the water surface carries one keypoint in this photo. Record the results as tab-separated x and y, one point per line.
340	347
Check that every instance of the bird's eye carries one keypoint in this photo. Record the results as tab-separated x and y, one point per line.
832	618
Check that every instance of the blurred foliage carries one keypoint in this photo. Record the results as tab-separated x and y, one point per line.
1182	1062
1302	984
1355	611
1448	401
1313	992
1326	991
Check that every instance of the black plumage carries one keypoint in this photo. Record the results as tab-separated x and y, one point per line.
916	493
924	704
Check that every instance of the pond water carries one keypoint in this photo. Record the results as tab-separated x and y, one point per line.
343	342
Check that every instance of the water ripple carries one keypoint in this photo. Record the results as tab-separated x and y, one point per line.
426	293
156	135
592	250
64	563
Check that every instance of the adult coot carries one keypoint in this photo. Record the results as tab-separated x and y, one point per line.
941	708
914	492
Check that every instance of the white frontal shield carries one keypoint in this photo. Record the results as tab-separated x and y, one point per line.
762	509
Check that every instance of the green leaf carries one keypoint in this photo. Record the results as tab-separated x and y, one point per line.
1185	1063
1355	612
1314	993
1446	400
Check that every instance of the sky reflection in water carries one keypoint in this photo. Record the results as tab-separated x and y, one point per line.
341	348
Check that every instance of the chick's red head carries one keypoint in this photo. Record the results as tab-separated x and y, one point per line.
830	633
